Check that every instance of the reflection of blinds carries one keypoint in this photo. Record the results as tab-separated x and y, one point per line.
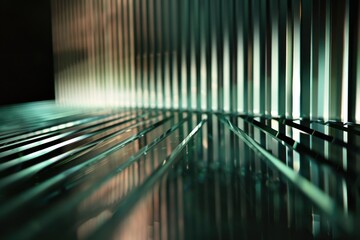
293	58
75	173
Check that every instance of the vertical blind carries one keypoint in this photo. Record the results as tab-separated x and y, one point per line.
296	58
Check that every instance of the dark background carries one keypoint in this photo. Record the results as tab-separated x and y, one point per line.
26	62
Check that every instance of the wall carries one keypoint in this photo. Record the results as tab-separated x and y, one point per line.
293	58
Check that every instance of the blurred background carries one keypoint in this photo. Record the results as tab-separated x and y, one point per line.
26	59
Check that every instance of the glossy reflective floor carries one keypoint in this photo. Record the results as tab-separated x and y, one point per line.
70	173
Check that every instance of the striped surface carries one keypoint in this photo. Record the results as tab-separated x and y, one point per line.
140	174
284	58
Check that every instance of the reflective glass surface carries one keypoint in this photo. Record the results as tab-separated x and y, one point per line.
68	173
